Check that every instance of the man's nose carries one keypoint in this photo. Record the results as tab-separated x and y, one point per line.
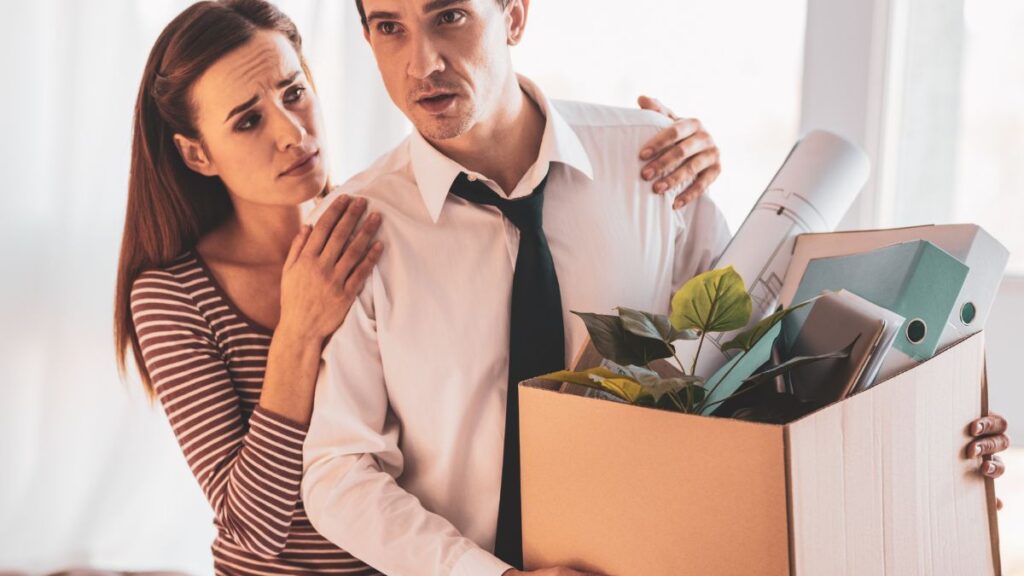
425	59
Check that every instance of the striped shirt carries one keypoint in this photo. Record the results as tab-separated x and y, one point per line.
207	362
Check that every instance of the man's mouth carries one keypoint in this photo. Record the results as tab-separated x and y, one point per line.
436	103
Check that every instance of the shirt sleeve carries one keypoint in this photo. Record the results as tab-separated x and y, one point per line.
352	458
250	474
701	237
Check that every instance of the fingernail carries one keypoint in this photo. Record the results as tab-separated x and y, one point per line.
977	449
648	173
990	468
979	428
660	187
647	153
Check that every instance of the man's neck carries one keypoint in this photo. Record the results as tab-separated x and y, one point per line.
504	146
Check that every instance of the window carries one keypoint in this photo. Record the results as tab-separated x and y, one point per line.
735	65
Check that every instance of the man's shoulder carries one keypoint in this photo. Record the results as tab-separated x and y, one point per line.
367	183
582	115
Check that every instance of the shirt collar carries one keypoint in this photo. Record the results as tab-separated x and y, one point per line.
435	172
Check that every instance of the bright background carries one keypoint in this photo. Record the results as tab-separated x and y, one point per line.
89	472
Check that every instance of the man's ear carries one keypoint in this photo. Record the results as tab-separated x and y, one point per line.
516	13
194	155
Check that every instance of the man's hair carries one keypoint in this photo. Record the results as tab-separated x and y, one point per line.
362	12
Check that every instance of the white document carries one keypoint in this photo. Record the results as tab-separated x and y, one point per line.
811	192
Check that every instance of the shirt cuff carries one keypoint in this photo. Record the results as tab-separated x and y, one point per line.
477	562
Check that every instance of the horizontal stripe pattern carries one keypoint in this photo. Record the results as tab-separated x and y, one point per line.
207	362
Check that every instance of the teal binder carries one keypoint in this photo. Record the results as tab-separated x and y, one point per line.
917	280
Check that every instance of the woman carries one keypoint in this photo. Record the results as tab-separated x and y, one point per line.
224	298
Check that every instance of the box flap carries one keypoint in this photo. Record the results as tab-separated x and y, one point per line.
879	484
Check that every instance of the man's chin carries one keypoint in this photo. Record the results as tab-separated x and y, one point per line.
442	128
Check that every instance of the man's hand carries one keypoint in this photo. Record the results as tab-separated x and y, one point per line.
682	159
560	571
990	439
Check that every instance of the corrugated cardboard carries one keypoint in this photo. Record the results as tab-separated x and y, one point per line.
875	484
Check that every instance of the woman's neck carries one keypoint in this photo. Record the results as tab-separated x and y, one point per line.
254	234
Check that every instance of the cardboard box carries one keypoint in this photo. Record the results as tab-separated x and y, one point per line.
873	485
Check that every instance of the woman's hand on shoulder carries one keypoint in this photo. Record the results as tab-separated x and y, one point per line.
682	159
327	266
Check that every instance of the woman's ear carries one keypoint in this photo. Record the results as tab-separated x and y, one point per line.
195	155
516	13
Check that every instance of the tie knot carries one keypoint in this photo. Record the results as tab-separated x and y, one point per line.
524	213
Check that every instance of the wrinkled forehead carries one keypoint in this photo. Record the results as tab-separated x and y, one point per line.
253	69
407	9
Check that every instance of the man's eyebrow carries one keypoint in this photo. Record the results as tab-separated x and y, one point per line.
252	101
378	15
435	5
429	7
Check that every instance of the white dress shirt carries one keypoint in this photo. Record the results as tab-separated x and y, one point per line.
404	452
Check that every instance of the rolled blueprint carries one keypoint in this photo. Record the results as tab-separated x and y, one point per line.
811	192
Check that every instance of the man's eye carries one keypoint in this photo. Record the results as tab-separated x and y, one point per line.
451	17
294	94
248	123
387	28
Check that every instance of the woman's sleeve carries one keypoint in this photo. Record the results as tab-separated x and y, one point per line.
251	477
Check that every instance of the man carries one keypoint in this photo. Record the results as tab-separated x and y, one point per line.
410	461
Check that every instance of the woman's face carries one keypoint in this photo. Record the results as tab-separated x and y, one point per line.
259	124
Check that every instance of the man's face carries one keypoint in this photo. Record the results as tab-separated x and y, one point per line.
444	62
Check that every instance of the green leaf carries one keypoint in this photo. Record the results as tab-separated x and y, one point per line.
715	301
798	361
745	340
648	325
617	344
603	379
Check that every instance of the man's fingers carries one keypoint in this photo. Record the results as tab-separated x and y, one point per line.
323	227
668	136
343	231
988	445
687	172
993	467
991	424
699	187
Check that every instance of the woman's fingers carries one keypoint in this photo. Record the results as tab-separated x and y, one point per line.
341	235
358	247
355	281
297	244
325	225
698	187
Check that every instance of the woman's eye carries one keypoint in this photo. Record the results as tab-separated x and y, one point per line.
248	123
451	17
294	94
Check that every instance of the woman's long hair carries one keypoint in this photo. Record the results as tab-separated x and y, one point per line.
170	206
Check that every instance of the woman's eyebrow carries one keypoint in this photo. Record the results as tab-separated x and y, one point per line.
252	101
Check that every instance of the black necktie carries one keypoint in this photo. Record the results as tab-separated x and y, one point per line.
536	339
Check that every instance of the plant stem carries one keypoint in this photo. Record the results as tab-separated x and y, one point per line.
693	368
689	389
704	403
731	396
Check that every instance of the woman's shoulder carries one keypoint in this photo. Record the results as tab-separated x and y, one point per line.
174	280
